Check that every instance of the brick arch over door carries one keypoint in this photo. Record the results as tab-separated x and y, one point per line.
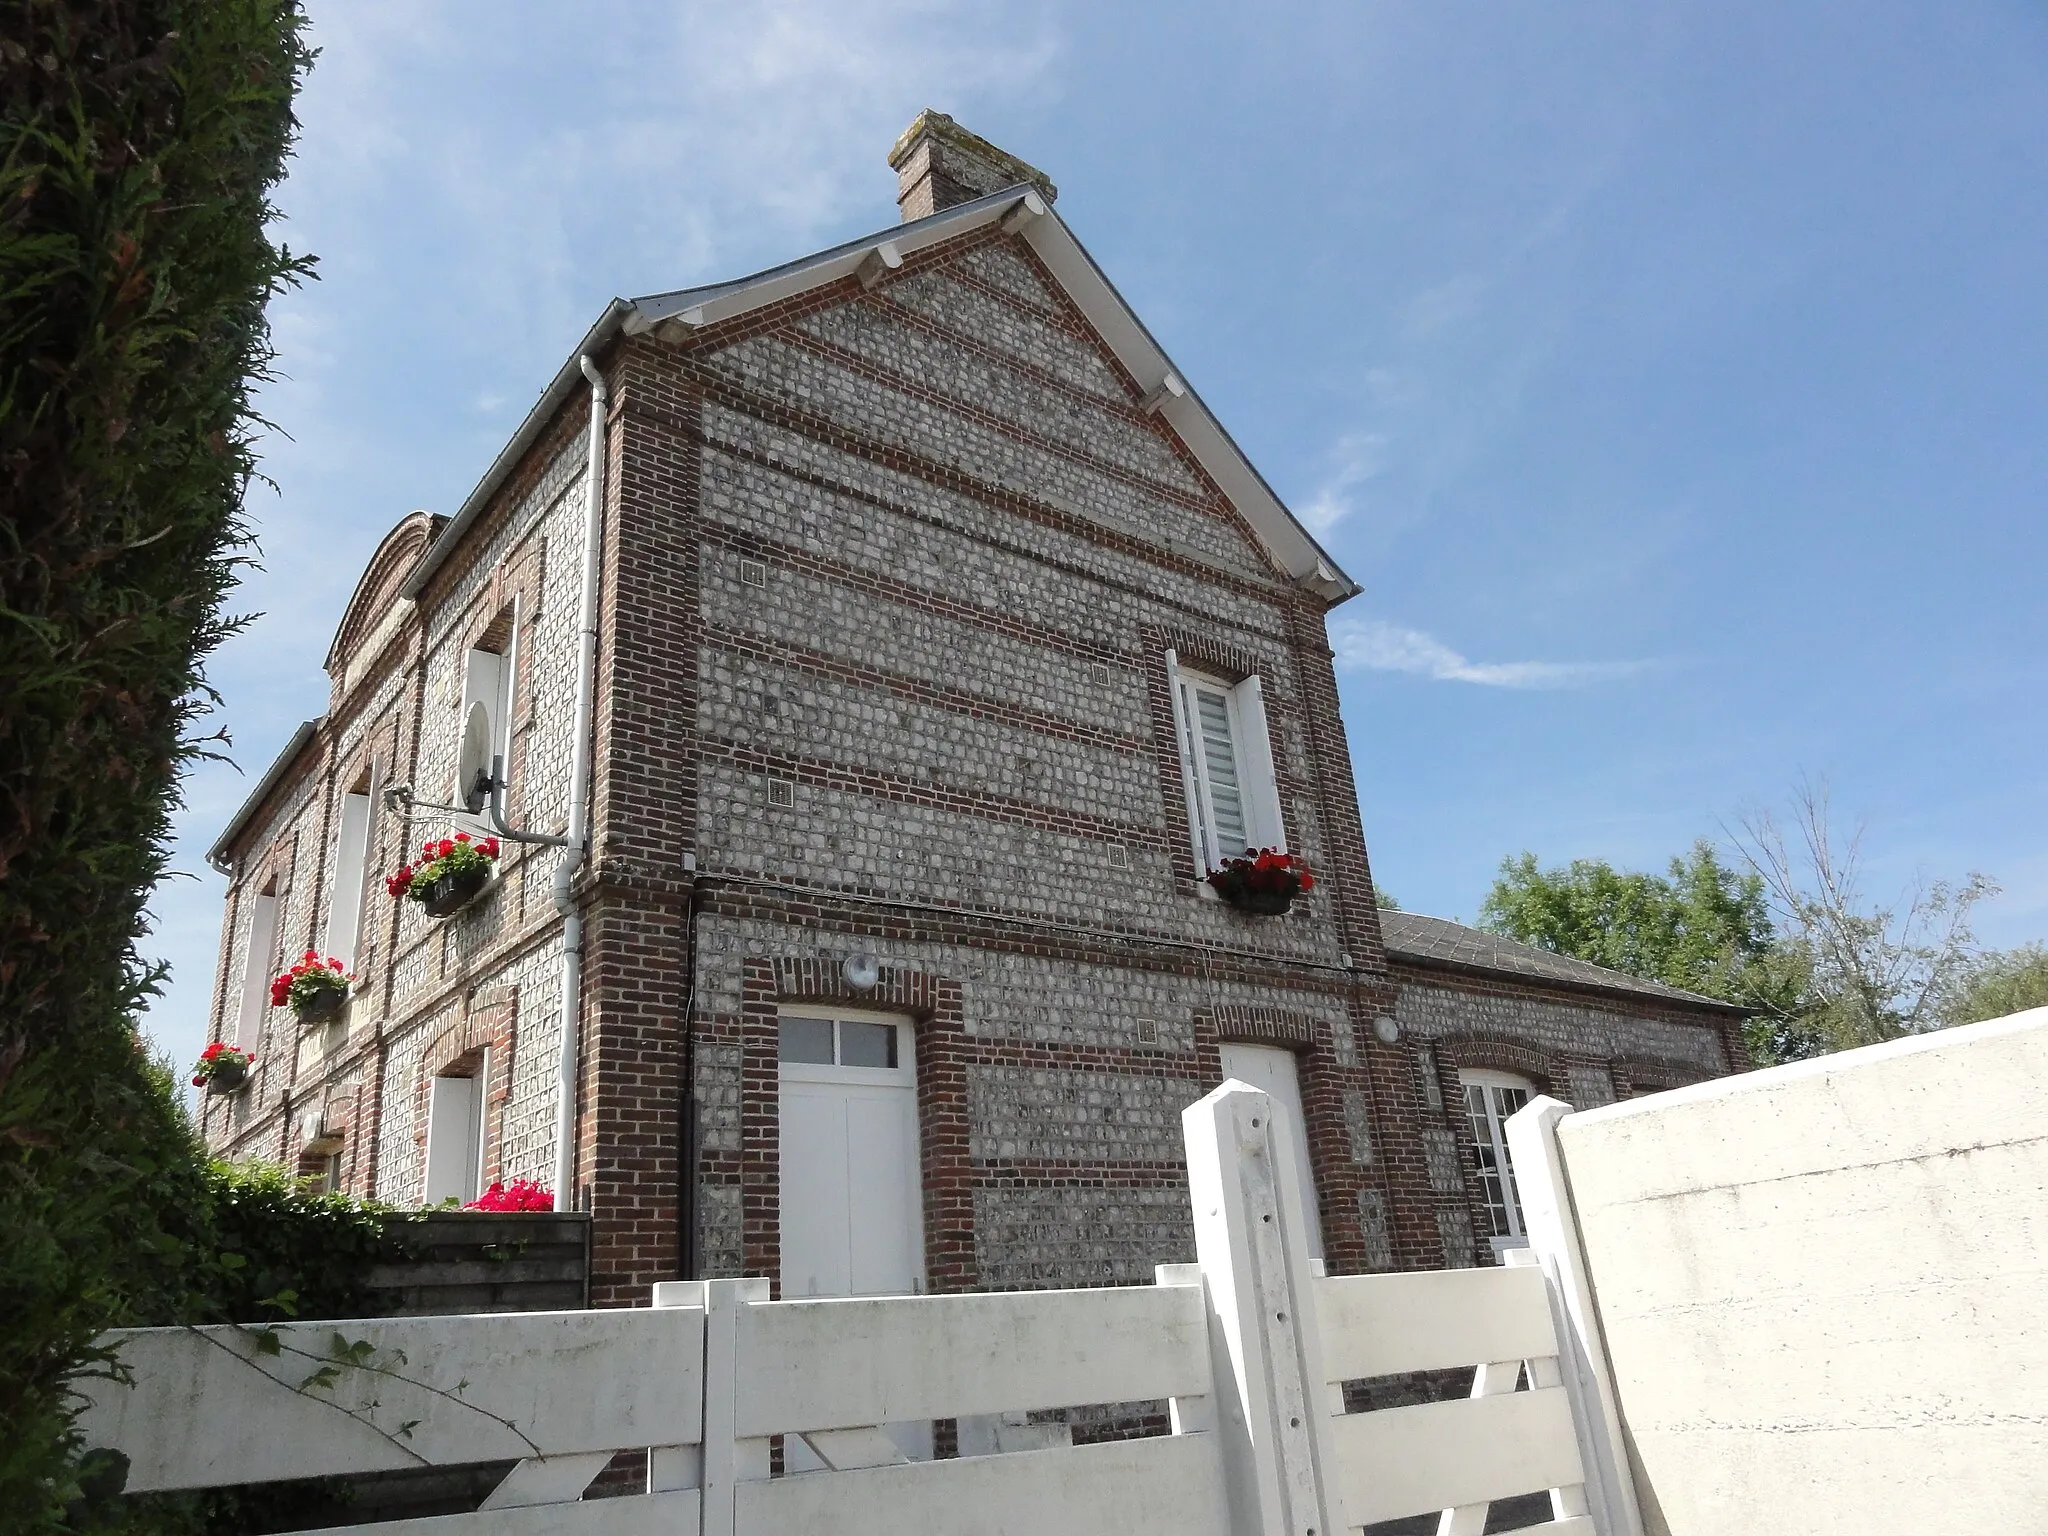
1340	1103
935	1007
490	1021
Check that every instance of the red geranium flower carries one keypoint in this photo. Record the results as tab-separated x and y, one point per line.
447	847
462	837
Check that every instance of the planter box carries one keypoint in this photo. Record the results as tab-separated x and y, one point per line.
451	893
225	1080
1261	903
323	1007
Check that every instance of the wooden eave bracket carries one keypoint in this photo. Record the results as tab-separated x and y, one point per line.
1030	206
1170	388
878	264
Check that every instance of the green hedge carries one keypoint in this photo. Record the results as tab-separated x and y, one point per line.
139	141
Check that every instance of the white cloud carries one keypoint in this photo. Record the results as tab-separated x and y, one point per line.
1378	646
1357	458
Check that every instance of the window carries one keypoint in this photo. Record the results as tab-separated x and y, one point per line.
258	965
1490	1097
1226	765
838	1043
351	873
455	1136
486	719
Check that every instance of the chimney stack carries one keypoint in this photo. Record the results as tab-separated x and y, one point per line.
938	163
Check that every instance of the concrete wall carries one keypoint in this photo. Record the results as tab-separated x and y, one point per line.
1825	1288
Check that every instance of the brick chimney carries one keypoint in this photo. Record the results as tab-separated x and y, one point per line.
938	163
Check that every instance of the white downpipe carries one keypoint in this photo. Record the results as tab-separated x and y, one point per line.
578	836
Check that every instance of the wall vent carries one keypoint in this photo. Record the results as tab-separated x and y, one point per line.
1148	1031
781	792
1104	677
1118	855
753	573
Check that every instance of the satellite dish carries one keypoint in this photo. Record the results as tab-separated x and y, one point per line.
861	971
473	767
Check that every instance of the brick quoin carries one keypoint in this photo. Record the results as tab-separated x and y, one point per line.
890	578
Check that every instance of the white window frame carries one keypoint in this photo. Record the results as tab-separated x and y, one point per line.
1252	756
902	1075
455	1135
257	961
1490	1084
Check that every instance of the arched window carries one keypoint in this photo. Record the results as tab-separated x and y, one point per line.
1490	1097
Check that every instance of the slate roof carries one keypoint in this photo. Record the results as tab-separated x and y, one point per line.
1437	941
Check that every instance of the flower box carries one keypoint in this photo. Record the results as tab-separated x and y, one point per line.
322	1007
222	1068
1263	883
454	891
317	988
448	876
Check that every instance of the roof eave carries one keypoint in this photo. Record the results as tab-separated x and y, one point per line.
238	823
567	380
1293	547
1676	997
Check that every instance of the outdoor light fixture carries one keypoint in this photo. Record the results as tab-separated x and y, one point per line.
861	972
1386	1030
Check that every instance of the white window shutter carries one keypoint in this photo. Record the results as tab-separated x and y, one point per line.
262	954
1183	741
454	1118
1255	754
351	868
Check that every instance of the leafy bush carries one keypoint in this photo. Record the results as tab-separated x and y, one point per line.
139	140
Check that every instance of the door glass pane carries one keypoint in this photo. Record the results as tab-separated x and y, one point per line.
1219	766
866	1045
807	1040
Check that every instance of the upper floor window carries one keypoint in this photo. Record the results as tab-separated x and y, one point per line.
1226	765
483	722
1490	1098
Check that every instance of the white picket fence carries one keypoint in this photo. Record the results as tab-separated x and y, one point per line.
1248	1346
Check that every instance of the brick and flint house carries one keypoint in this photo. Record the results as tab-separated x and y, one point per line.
940	639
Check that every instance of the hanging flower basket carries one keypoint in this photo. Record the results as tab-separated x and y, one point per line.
222	1068
448	876
1263	883
317	988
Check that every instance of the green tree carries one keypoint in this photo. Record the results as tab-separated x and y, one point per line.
1998	983
139	141
1702	926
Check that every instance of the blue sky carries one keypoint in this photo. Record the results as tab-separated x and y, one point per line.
1670	376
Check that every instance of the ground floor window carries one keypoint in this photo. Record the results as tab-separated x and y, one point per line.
1490	1097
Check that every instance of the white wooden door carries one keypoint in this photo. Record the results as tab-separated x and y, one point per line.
852	1190
1273	1070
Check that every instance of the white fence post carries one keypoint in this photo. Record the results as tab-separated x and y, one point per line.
728	1461
1553	1230
673	1468
1269	1379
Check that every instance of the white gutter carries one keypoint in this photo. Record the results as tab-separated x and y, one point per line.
577	839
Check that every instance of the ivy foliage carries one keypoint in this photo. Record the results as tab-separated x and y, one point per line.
139	142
